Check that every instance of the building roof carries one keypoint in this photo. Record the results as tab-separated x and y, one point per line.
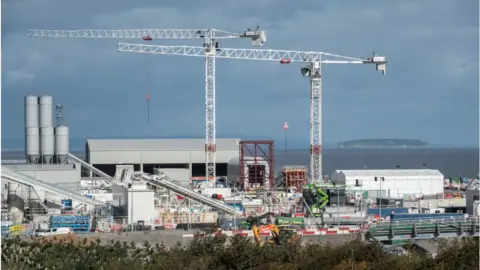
158	144
396	172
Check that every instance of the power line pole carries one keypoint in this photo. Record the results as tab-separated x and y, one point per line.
285	128
148	108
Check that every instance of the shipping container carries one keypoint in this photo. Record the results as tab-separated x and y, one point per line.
386	211
399	217
291	220
389	202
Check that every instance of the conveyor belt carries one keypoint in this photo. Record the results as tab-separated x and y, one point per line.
30	181
88	166
156	181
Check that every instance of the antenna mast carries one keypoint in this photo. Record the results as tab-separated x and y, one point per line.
59	114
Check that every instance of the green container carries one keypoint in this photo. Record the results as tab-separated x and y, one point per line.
290	220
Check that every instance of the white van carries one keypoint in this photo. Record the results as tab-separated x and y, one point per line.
54	231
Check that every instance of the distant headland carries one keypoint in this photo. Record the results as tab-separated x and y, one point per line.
384	143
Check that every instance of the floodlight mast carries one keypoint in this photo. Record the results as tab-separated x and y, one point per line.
313	70
210	47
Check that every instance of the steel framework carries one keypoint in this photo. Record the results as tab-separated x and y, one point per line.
257	164
209	49
313	70
295	177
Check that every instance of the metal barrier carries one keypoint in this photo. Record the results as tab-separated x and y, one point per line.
401	223
423	230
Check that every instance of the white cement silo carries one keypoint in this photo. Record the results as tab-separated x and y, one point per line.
31	111
61	144
32	133
32	144
46	112
47	137
47	144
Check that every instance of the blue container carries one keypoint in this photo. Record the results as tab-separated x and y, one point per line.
386	211
77	223
67	203
400	217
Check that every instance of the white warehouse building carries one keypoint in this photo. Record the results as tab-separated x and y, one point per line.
393	183
180	159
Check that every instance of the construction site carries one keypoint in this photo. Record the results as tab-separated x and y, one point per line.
158	184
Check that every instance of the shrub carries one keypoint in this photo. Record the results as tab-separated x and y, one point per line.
217	253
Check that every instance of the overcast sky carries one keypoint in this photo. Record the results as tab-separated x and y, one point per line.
430	91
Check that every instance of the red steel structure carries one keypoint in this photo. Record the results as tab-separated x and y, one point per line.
256	164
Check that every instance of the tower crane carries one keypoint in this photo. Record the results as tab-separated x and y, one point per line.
312	69
210	47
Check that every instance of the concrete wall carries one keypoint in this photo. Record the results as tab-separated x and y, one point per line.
157	157
65	176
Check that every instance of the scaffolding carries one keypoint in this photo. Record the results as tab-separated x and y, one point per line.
295	177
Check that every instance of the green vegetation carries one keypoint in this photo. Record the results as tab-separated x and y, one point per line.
239	253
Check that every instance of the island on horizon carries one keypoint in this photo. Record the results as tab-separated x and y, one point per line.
384	143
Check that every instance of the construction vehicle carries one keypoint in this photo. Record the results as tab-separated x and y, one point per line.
139	226
316	198
280	235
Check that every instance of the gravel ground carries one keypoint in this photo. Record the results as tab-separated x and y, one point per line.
171	238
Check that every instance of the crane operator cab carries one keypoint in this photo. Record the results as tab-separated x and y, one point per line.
379	61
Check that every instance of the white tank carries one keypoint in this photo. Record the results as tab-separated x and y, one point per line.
31	111
32	144
32	138
47	144
61	143
46	111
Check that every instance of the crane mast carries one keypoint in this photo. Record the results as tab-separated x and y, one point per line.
210	121
313	70
316	121
209	49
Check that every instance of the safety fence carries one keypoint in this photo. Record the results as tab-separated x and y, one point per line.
167	220
177	218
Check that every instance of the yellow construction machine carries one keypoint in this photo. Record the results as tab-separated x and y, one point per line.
280	235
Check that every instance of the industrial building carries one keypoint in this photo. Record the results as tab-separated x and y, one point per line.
51	177
392	183
180	159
